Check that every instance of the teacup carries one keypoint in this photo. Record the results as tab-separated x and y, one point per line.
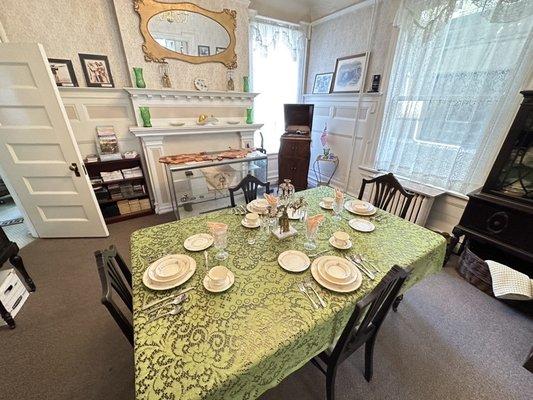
251	218
341	238
218	275
328	201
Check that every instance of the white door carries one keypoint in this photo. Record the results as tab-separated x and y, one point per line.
39	158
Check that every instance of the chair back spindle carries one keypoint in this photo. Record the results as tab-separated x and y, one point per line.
115	277
249	186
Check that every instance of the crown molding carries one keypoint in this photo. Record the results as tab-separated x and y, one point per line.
344	11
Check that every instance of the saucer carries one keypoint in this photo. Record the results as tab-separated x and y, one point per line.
294	261
230	280
247	225
198	242
361	225
321	204
334	244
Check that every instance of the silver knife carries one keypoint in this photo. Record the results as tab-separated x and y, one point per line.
363	266
370	276
156	302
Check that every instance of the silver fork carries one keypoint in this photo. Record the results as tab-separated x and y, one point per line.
359	262
371	264
178	300
303	290
309	285
175	311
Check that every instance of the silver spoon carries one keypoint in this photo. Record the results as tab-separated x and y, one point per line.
178	300
175	311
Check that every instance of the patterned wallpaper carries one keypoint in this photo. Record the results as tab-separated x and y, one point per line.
181	73
66	28
347	35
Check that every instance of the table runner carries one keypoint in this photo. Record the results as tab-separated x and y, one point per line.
237	344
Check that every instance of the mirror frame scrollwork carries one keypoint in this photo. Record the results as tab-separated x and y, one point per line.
153	51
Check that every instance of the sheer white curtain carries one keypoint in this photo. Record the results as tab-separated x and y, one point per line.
458	67
277	67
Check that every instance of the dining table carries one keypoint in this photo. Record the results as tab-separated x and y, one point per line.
239	343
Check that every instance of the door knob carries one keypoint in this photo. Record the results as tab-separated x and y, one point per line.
74	168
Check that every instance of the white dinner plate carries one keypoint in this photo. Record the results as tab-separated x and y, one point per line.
294	261
348	206
334	244
169	285
168	268
332	286
337	270
230	280
198	242
361	225
248	225
321	204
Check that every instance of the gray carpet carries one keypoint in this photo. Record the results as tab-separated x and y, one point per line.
448	340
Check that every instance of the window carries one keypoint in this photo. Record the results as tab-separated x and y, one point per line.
277	67
458	68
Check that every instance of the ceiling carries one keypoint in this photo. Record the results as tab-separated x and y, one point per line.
299	10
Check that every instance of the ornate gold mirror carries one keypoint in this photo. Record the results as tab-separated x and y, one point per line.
187	32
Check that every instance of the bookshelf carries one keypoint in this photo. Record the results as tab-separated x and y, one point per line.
120	199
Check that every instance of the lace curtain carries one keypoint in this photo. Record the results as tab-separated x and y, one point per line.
458	67
277	68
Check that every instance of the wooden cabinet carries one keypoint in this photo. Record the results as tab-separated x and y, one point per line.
293	160
295	145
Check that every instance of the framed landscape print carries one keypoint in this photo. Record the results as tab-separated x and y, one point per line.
63	72
323	83
349	73
96	70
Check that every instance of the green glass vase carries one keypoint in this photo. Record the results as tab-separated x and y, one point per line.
139	79
145	115
245	84
249	115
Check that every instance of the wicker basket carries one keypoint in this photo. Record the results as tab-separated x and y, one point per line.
475	270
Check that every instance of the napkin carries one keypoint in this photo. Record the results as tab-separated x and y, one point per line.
508	283
217	227
314	221
272	200
339	196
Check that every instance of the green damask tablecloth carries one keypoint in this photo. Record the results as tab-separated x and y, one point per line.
236	345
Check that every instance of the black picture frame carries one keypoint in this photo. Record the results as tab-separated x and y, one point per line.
204	51
362	58
101	61
70	68
315	84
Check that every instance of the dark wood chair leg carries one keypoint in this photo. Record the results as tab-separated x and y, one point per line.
16	260
369	358
330	383
6	316
397	302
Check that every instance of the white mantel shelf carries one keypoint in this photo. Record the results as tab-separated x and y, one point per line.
191	130
195	97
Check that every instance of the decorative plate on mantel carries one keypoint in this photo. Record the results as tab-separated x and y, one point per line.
200	84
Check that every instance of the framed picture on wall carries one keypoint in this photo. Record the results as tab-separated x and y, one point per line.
220	50
323	82
349	72
204	51
63	72
96	70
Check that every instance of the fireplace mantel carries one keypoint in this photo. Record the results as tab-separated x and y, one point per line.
178	104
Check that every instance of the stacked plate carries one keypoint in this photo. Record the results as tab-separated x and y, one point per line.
169	272
360	207
336	274
257	206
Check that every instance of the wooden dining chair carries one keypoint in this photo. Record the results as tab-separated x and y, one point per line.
115	277
249	186
388	194
362	328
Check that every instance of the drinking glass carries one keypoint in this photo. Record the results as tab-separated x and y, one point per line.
221	242
303	214
337	209
310	234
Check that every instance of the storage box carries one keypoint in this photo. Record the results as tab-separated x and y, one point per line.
13	293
